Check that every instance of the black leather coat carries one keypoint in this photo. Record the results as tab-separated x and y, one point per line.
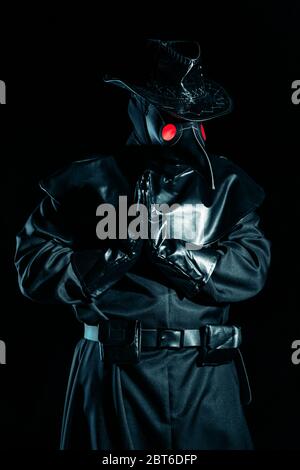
166	401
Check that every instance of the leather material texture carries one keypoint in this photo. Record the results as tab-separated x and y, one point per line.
169	399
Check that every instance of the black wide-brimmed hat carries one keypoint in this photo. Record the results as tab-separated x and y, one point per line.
169	74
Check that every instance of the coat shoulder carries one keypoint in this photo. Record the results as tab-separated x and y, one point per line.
236	195
91	172
244	183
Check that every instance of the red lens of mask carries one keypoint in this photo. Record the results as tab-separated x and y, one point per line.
168	132
202	132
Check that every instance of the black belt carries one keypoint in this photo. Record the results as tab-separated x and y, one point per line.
121	341
214	336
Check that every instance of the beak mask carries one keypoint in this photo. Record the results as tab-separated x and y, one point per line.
183	140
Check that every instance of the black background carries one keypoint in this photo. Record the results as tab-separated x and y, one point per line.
58	110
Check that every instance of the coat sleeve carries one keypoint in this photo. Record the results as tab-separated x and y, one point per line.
233	269
51	270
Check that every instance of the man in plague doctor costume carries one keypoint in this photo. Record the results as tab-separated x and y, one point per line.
159	365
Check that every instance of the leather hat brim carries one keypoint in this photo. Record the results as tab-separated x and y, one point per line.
206	102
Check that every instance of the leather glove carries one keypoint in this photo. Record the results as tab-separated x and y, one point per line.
173	243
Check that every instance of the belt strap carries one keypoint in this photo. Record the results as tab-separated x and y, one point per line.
176	338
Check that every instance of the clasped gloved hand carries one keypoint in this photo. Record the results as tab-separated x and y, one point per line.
174	229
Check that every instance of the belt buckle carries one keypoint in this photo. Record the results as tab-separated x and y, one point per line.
171	338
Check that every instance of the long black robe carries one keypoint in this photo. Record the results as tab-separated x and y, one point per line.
166	401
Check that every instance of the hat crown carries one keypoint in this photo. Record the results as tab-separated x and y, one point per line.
173	61
181	51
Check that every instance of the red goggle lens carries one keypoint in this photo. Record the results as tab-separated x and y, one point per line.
168	132
202	131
